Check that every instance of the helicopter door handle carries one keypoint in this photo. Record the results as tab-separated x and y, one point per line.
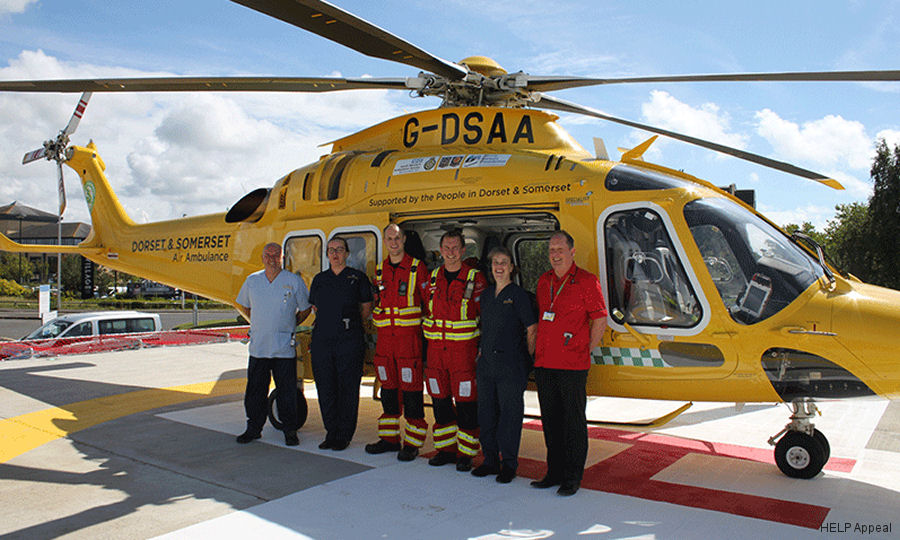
804	331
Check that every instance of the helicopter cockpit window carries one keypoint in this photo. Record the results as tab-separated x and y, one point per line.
756	269
647	281
626	178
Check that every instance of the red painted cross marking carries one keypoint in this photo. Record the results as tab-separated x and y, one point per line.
631	472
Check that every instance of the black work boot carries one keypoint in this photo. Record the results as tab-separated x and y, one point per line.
442	458
381	447
407	453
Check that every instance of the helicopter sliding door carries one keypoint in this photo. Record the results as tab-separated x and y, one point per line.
524	234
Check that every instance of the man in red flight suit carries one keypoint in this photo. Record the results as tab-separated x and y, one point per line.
453	296
398	353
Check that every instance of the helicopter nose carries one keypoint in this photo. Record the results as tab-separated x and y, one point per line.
867	322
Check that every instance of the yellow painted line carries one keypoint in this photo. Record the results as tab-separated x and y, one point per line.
23	433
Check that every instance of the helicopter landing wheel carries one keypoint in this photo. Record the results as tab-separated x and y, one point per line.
302	408
800	455
826	448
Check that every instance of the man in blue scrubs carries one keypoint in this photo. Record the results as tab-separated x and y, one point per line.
275	301
342	298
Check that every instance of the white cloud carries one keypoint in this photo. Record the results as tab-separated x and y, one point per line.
890	136
817	215
14	6
705	122
170	154
831	141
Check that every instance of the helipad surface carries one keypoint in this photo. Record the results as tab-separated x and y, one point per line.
141	443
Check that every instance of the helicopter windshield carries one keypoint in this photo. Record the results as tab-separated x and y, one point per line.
757	270
49	330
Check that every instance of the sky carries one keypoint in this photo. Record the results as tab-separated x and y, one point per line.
175	154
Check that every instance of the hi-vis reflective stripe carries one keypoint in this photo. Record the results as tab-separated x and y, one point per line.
470	284
452	330
445	436
389	426
468	444
415	435
411	289
406	316
452	336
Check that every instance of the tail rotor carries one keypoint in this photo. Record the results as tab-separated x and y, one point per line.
55	149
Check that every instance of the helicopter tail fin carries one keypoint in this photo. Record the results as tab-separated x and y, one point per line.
106	210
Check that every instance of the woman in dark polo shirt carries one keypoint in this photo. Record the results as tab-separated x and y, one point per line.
508	329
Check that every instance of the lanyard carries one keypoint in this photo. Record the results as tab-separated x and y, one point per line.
553	297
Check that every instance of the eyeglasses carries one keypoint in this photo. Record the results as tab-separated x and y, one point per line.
335	250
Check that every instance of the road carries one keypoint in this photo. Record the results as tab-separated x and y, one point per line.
16	323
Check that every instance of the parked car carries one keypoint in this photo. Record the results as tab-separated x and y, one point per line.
97	323
149	289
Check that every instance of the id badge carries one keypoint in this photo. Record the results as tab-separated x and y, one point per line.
548	316
401	290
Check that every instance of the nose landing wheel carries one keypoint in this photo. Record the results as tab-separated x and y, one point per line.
302	408
803	450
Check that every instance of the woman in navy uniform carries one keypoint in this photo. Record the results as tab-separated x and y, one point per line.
508	330
342	298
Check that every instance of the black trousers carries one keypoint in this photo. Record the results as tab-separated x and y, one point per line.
337	368
563	398
413	406
501	406
284	371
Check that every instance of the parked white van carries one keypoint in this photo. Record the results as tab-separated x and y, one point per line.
97	323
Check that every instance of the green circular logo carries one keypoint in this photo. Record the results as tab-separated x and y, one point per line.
89	192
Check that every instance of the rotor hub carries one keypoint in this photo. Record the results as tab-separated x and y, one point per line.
483	65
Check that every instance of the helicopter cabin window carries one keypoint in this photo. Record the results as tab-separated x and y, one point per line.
647	281
307	186
330	181
756	268
303	256
626	178
363	250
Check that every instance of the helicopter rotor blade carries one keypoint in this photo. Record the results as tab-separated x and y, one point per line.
76	116
61	186
347	29
549	83
205	84
34	155
546	102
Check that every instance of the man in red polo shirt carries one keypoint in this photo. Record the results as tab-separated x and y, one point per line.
571	321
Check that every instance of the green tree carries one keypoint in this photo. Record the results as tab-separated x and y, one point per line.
848	240
16	267
884	216
71	273
809	230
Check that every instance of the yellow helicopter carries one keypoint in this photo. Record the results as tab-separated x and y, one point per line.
709	300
